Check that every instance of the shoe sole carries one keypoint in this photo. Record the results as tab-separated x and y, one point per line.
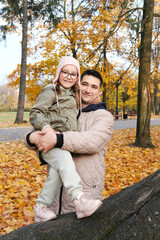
38	219
82	215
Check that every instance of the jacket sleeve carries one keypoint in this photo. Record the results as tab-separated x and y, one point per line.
92	140
38	114
27	143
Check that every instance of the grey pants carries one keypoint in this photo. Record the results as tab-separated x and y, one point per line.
62	171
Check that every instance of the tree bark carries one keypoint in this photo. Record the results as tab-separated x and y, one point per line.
156	80
105	71
131	214
144	95
156	106
22	87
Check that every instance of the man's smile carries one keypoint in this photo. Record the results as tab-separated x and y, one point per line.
86	94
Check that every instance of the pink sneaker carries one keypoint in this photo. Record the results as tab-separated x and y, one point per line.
85	207
43	213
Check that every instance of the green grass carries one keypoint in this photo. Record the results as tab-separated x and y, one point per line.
11	116
7	119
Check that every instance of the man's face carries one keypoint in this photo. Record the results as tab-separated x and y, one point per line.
90	89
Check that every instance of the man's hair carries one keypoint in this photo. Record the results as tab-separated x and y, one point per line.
93	73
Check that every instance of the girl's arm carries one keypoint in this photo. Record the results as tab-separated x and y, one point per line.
38	114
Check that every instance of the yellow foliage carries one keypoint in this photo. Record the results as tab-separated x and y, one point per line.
97	39
22	177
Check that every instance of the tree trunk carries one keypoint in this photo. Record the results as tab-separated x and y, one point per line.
73	39
144	95
105	70
156	63
104	92
131	214
156	106
156	80
22	87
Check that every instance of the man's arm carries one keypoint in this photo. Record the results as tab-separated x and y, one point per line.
92	140
32	138
43	140
49	140
87	142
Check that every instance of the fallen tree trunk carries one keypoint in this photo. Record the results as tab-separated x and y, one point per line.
131	214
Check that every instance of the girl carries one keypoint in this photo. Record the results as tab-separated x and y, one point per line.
56	108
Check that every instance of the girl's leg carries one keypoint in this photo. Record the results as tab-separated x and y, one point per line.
45	198
51	187
62	162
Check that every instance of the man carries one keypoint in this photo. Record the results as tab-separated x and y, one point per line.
88	146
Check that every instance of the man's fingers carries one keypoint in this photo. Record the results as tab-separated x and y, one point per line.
36	142
42	133
45	150
40	148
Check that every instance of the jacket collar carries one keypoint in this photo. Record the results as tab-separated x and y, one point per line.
94	107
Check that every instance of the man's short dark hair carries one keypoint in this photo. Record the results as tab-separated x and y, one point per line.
93	73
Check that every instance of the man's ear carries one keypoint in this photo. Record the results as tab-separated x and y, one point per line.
100	92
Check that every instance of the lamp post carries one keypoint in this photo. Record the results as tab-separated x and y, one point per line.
117	84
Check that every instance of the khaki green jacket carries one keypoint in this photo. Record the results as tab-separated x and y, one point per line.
57	110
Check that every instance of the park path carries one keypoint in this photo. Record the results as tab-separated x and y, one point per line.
17	133
132	123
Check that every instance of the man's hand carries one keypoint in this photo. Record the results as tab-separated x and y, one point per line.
48	140
35	137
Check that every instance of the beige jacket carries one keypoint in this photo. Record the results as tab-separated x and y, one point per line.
89	147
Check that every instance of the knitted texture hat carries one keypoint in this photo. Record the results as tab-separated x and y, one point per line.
67	60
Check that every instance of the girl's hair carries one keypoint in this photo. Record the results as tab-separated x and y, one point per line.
58	88
75	90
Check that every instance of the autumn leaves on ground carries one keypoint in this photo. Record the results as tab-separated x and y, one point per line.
22	178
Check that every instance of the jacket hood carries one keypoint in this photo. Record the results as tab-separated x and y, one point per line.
67	60
94	107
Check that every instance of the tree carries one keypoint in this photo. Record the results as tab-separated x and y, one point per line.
131	214
125	97
85	26
8	98
12	12
95	32
144	95
22	86
155	66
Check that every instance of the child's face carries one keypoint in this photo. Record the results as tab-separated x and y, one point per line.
68	76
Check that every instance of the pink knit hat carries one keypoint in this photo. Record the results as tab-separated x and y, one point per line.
67	60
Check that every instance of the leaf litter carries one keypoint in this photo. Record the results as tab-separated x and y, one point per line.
22	177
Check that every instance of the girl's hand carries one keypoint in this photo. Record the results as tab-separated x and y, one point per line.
47	129
97	100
